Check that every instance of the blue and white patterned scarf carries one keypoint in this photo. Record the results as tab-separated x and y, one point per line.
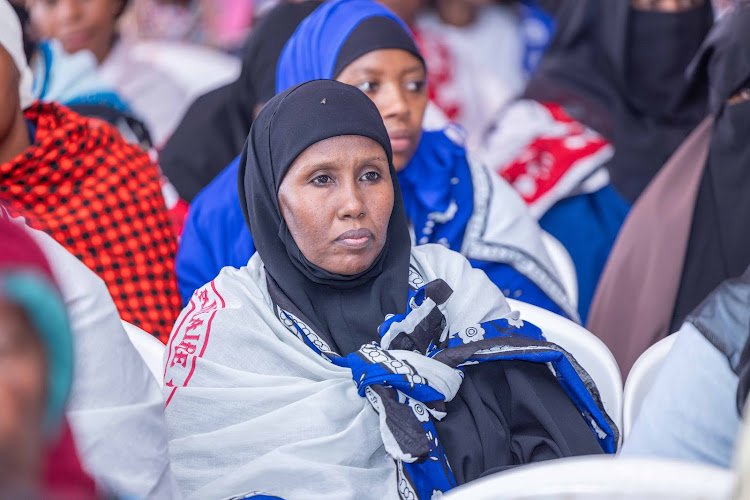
417	367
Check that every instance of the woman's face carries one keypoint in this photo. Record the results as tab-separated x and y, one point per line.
77	24
22	394
397	83
337	199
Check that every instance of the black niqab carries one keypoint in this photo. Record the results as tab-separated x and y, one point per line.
621	71
214	128
345	310
719	242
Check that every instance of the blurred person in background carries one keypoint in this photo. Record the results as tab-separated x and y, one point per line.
78	180
115	406
480	54
91	26
221	24
598	119
449	198
215	127
686	234
693	409
38	458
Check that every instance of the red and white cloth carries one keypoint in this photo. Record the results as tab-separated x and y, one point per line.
545	154
473	71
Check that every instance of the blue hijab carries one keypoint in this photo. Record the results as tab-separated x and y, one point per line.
313	50
436	183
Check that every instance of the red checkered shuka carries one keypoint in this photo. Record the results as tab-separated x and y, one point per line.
100	198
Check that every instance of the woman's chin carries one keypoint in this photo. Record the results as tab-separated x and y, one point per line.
349	266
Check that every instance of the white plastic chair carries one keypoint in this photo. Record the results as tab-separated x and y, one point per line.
602	477
564	266
150	349
197	69
589	351
640	378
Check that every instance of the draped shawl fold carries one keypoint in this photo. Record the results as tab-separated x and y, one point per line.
257	401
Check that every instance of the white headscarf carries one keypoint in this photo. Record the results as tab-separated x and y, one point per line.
11	38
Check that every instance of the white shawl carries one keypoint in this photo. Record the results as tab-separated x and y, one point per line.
252	408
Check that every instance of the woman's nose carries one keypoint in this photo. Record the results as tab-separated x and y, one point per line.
351	203
393	102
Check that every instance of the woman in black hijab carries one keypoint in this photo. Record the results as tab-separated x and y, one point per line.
620	69
215	127
335	292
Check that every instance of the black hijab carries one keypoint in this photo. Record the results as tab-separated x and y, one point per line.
621	71
214	128
345	310
719	242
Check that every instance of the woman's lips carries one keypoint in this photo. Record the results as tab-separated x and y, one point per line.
356	238
73	42
401	141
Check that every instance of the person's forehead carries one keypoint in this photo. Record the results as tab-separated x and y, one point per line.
349	146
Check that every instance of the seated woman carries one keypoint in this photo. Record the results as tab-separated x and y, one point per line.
85	25
664	265
76	179
598	119
449	199
449	384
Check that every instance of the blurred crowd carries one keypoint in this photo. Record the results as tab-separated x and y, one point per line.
588	157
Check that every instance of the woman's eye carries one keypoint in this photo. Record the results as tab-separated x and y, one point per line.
367	87
416	85
371	176
321	180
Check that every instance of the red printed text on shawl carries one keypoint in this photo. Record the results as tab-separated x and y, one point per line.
189	340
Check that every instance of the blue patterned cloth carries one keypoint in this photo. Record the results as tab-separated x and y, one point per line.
417	367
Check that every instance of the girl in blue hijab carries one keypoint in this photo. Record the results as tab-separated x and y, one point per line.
449	199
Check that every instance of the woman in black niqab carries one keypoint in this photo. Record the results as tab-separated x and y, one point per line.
719	242
621	71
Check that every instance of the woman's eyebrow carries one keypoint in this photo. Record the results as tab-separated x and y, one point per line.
374	71
413	69
372	158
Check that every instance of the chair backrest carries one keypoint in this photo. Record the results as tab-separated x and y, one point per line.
150	349
195	68
640	379
564	266
602	476
589	351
